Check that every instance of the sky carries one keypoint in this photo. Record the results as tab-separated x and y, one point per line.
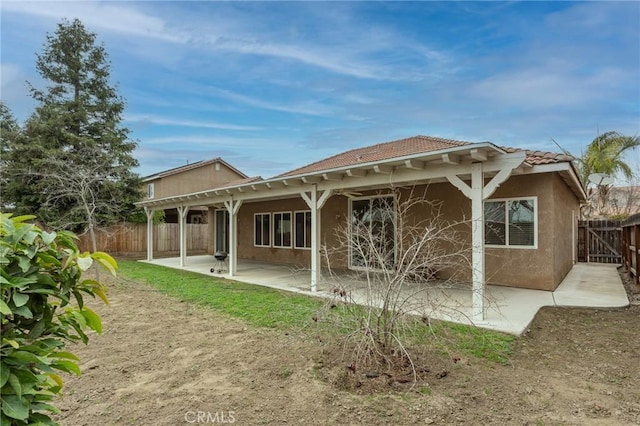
271	86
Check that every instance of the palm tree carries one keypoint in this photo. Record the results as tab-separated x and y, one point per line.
605	154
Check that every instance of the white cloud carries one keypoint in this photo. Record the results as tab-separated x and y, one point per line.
113	16
167	121
548	86
217	141
310	55
306	108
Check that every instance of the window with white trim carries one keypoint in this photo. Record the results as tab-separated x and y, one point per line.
282	229
302	229
511	222
262	230
150	188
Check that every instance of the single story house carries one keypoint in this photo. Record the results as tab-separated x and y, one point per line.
523	207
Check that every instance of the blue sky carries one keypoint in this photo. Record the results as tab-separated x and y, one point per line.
273	86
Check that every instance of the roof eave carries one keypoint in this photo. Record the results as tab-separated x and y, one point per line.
327	174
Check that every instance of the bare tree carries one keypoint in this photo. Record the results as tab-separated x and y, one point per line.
84	189
404	254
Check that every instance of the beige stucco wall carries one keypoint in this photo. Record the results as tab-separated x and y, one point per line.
542	268
525	267
194	180
565	232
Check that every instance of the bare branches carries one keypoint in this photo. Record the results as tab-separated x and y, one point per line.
402	253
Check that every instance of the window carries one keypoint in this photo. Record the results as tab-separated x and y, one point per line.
372	240
282	229
262	230
150	190
511	223
303	229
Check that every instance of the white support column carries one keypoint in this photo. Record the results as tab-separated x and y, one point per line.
477	242
182	217
315	204
233	207
477	193
149	213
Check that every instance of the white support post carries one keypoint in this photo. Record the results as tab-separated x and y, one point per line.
315	240
315	204
477	193
233	207
477	242
182	216
149	213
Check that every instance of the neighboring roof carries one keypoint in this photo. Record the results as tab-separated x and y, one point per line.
410	146
192	166
378	152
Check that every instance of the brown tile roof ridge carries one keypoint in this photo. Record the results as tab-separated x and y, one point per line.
541	157
378	152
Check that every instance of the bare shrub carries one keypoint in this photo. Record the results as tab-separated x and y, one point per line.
406	262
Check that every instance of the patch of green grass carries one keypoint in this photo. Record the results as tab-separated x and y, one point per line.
479	342
260	306
266	307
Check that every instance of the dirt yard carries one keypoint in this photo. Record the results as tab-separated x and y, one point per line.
164	362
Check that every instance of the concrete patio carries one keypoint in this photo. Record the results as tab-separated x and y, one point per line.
507	309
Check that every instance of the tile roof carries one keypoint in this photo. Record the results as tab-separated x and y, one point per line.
536	158
378	152
409	146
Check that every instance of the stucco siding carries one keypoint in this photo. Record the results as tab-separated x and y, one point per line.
566	212
194	180
526	267
542	268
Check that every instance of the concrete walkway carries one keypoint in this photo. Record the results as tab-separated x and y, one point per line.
508	309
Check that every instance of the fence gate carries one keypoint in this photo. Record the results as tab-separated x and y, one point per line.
599	241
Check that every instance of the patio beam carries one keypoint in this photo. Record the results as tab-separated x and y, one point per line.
414	164
182	216
477	192
478	155
233	206
149	211
315	204
312	179
356	173
451	159
332	176
381	168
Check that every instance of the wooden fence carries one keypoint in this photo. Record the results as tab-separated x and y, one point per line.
631	246
599	241
131	239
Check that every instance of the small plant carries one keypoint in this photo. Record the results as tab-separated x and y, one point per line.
41	309
285	372
424	390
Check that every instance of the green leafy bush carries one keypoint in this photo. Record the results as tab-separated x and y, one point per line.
41	309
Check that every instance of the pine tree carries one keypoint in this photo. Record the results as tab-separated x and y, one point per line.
75	130
10	134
